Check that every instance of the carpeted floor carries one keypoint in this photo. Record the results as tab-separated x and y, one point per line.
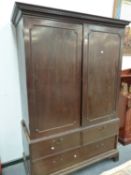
95	169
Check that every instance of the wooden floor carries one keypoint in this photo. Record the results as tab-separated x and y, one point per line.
95	169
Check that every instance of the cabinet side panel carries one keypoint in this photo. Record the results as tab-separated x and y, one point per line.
22	71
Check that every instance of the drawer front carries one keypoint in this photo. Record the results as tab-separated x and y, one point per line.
102	131
45	148
97	148
55	163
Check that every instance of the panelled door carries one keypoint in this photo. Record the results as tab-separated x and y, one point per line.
53	50
102	47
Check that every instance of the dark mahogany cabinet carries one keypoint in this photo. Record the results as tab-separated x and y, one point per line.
69	66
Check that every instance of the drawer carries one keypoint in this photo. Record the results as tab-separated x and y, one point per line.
51	146
99	132
55	163
69	158
97	148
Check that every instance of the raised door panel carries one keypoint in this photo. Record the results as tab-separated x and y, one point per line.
55	77
101	65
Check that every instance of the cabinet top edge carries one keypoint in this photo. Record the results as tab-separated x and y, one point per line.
29	9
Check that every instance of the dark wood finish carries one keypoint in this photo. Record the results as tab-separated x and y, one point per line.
72	157
99	132
27	152
125	133
100	94
103	57
53	146
35	10
55	96
69	157
124	110
45	148
109	154
116	158
126	76
69	66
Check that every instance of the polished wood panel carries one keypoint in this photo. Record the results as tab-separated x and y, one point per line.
72	157
98	147
100	132
55	49
109	154
44	148
55	163
101	62
101	78
56	145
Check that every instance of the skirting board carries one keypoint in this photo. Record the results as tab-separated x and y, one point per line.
13	162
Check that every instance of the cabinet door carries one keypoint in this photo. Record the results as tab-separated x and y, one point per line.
54	75
102	46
